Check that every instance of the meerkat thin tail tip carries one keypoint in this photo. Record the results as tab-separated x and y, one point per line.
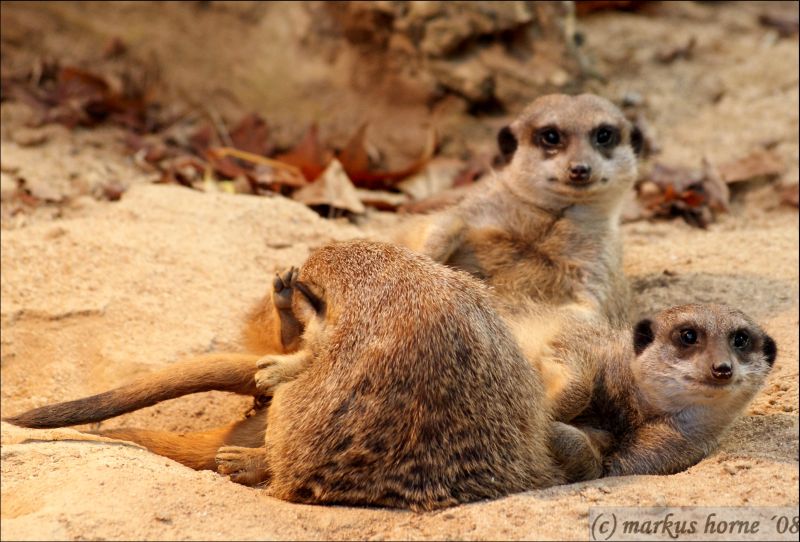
220	371
59	415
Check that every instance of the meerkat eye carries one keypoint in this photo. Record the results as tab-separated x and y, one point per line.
606	136
549	137
740	340
688	337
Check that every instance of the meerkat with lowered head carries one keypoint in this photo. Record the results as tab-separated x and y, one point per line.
408	390
655	402
546	228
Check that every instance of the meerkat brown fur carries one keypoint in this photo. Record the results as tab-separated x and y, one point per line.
546	228
413	392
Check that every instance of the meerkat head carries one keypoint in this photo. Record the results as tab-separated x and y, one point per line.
694	355
572	149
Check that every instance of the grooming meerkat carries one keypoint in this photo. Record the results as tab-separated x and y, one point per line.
655	402
408	391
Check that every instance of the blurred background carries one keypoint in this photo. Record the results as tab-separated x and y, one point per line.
264	97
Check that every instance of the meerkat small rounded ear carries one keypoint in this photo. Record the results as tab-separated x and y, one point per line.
770	349
637	140
507	142
642	335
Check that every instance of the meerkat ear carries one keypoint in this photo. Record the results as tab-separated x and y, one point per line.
642	335
637	140
507	142
770	349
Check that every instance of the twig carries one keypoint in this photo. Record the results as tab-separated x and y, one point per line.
255	158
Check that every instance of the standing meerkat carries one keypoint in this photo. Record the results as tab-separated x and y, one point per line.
408	390
655	401
546	228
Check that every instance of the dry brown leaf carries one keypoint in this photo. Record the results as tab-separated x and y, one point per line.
201	139
251	134
691	194
377	180
78	84
332	188
308	155
354	157
438	175
759	163
267	170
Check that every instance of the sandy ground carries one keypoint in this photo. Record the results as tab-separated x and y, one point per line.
95	293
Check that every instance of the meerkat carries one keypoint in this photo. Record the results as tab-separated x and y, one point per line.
655	401
546	228
407	390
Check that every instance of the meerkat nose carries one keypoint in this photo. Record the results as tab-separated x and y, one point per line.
722	371
579	172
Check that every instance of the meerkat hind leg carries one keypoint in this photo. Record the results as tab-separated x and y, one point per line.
246	466
283	287
579	452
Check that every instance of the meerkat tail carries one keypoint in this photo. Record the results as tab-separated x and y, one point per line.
196	450
221	372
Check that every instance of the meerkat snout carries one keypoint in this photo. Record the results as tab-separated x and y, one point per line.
722	371
580	173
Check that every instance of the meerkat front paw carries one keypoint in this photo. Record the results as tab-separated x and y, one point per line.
246	466
270	374
273	370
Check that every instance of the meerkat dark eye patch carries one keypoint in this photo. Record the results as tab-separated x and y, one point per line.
637	140
315	301
605	136
642	335
740	339
507	142
770	349
548	137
